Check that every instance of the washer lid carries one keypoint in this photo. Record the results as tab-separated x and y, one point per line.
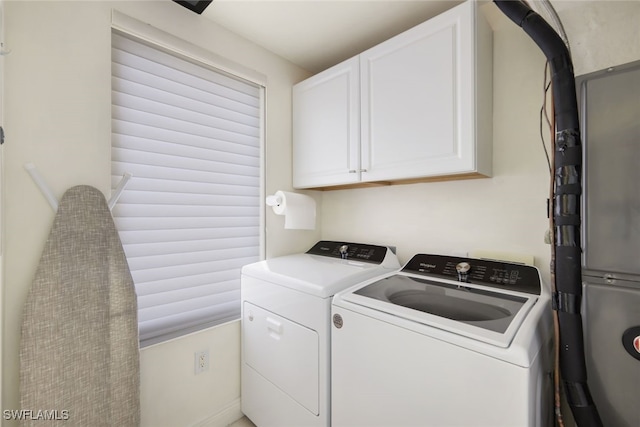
463	309
320	275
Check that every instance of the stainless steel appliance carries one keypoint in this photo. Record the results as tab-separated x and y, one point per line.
610	117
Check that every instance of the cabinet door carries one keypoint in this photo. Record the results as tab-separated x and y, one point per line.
418	100
326	127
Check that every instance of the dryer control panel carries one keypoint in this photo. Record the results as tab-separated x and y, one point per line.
497	274
353	251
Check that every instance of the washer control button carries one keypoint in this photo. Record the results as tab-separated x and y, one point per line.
463	271
344	251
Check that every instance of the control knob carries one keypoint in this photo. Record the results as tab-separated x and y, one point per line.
344	250
463	271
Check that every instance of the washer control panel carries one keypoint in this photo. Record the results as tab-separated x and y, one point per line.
352	251
498	274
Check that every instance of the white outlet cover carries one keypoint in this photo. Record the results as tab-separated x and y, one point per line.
201	361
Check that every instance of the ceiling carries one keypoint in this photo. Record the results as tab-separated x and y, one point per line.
316	34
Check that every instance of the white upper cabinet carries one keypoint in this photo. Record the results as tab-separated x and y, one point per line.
326	127
423	110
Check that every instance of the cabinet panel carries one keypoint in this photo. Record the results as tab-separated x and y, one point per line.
326	127
417	97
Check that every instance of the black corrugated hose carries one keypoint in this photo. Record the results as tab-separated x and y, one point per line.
566	210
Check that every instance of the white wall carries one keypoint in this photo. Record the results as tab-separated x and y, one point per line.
58	100
1	183
602	33
504	213
507	212
170	393
57	115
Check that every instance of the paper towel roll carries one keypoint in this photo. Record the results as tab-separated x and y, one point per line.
299	210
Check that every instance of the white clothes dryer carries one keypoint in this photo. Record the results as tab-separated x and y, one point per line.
286	326
446	341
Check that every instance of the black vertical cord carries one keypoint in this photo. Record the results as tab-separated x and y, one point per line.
567	189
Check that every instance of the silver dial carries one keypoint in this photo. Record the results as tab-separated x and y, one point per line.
463	267
344	249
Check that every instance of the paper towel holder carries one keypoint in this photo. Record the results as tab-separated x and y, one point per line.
274	200
299	210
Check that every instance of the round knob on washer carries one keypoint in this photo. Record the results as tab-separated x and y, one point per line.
463	269
344	249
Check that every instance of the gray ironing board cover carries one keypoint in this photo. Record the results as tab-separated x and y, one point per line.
79	352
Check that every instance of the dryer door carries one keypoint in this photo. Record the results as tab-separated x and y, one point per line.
284	352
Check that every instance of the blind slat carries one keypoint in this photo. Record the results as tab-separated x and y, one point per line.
168	285
177	124
185	112
176	271
177	295
179	162
141	84
183	235
192	199
163	248
121	129
171	325
160	223
190	217
189	305
159	210
145	145
150	262
149	184
182	175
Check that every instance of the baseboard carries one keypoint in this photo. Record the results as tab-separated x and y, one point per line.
226	416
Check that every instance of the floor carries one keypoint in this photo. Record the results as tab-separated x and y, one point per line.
243	422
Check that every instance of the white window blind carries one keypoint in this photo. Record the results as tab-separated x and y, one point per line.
189	219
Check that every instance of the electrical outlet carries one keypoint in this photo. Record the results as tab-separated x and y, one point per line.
201	359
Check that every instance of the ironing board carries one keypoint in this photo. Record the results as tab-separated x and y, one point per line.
79	353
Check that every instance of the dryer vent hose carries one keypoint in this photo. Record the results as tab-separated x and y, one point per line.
566	210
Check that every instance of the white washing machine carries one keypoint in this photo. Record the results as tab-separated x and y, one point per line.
286	326
446	341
